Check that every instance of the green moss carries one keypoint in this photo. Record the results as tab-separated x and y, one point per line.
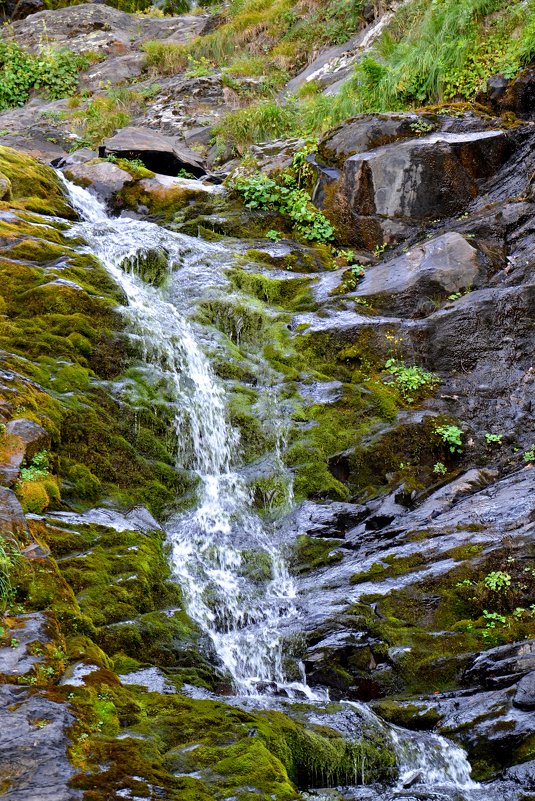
311	553
33	186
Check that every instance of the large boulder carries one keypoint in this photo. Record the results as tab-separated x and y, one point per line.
100	28
390	191
103	177
435	269
159	153
12	519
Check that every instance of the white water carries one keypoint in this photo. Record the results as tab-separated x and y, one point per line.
214	544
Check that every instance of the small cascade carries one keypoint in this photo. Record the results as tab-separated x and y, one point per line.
226	559
423	758
219	547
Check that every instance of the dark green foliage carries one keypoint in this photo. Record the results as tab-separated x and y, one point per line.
53	71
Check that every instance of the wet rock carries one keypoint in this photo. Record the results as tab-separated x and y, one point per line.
517	96
502	666
525	692
33	747
104	178
12	518
159	153
330	520
37	129
367	132
409	284
522	774
390	189
15	658
276	155
137	519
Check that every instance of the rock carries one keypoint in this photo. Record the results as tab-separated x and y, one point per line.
5	187
518	96
113	71
159	153
187	104
102	29
103	177
408	284
34	765
276	155
367	132
19	9
522	774
15	658
331	519
391	189
33	436
12	519
525	692
23	439
137	519
502	666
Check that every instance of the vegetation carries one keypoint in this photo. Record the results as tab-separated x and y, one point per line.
53	71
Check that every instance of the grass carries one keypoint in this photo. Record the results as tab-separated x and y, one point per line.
431	53
103	114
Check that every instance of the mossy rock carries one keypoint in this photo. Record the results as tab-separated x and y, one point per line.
34	186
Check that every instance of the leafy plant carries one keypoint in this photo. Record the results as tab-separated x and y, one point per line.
440	469
54	71
274	235
451	436
497	580
38	468
529	456
284	196
410	380
493	439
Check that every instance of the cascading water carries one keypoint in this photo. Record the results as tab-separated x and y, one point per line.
215	544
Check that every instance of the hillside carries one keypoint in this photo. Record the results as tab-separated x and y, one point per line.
267	444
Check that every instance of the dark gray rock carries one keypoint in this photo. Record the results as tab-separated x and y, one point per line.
15	659
409	284
525	692
391	188
502	666
162	154
33	747
331	519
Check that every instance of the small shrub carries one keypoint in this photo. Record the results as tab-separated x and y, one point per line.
410	380
451	436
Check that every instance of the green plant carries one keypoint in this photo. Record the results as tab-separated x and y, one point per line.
421	126
440	469
494	439
9	559
410	380
52	70
274	235
198	68
183	173
455	296
529	456
497	580
451	436
38	468
260	192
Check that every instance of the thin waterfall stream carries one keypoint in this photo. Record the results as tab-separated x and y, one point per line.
212	542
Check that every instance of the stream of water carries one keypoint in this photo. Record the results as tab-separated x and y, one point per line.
215	543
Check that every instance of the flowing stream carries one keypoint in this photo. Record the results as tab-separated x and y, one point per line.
216	543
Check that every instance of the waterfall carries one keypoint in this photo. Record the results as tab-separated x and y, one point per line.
214	544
